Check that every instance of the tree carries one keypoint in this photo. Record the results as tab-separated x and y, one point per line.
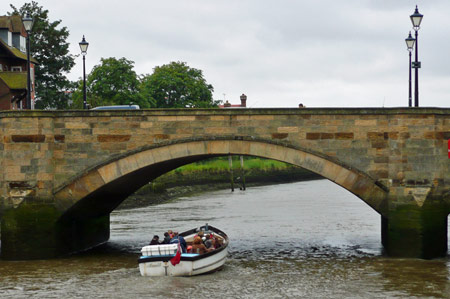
51	50
112	82
176	85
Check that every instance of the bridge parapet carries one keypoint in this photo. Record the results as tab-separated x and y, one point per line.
60	159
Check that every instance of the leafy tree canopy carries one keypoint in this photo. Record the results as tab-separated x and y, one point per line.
112	82
51	50
176	85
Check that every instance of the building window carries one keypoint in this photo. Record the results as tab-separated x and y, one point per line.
1	67
23	43
9	39
16	68
32	78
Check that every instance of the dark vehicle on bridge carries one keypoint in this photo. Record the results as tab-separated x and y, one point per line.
117	107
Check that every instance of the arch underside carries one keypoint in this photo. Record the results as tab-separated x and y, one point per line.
101	189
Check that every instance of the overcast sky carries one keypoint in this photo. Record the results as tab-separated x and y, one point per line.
322	53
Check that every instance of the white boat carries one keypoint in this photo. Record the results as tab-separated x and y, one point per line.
155	259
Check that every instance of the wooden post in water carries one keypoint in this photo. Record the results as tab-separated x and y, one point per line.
230	161
243	172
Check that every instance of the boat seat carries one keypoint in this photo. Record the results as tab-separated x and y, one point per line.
159	250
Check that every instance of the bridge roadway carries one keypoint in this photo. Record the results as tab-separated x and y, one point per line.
63	172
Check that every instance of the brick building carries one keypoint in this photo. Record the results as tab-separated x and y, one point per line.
13	64
243	103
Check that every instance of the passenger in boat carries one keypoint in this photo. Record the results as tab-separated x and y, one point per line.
166	238
199	247
216	242
201	234
170	232
208	242
155	240
179	239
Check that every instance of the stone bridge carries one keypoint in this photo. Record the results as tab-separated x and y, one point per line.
63	172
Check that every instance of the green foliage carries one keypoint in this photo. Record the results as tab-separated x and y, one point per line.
176	85
112	82
222	164
51	50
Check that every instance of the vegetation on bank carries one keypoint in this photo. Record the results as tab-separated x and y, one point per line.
217	171
214	174
222	164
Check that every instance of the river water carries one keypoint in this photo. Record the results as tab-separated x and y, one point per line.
302	240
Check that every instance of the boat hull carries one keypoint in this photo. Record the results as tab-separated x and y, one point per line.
185	267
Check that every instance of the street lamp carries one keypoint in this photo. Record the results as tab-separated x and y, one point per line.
28	24
83	46
410	45
416	19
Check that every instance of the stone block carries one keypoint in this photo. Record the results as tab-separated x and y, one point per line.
14	176
38	138
179	150
220	131
112	148
127	164
344	136
314	163
146	125
279	135
313	136
76	125
109	172
161	154
218	117
113	138
12	169
219	147
376	136
287	129
262	117
166	118
197	148
45	176
366	122
346	178
294	157
240	147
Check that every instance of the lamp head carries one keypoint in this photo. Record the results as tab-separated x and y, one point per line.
410	42
416	19
83	46
28	23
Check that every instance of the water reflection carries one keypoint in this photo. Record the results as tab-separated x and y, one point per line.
302	240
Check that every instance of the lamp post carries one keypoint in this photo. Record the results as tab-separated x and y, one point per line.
410	45
28	24
416	19
83	46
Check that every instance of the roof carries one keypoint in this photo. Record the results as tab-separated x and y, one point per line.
5	23
229	105
16	52
14	80
13	23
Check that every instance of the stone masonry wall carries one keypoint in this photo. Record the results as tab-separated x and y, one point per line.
42	150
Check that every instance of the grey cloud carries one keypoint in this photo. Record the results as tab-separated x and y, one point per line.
322	52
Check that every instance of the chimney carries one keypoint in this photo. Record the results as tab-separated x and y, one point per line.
243	100
227	104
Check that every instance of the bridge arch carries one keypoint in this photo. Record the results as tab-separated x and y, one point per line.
114	180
